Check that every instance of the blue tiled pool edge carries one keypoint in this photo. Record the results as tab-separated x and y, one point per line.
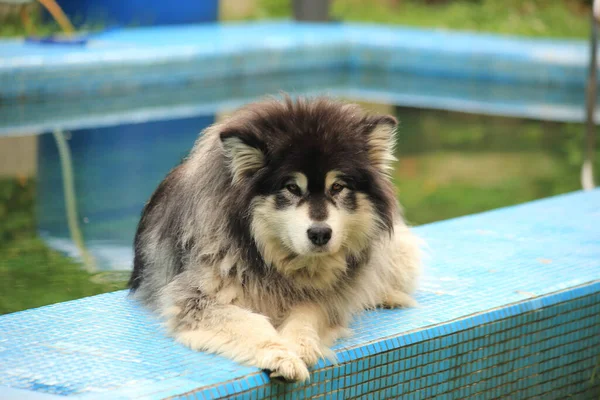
361	369
510	304
345	380
132	58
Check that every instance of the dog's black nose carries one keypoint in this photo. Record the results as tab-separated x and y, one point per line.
319	235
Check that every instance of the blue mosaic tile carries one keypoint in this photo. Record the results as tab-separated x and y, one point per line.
521	350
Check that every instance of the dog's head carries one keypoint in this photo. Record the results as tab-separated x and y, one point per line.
315	177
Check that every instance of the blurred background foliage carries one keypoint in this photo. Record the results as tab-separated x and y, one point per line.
552	18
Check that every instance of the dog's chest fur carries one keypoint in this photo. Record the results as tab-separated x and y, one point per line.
271	293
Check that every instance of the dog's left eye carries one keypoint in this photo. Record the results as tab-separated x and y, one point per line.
294	189
336	188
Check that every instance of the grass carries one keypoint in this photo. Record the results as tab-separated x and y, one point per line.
541	18
547	18
11	24
31	274
448	184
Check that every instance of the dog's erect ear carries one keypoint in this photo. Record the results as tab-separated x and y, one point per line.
243	153
381	141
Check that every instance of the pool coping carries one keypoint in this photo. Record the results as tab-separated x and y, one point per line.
127	59
252	382
553	291
242	385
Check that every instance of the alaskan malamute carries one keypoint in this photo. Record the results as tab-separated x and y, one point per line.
280	225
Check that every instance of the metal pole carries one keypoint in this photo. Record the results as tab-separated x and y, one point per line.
587	171
311	10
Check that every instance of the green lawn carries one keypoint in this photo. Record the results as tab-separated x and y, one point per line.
11	24
31	274
552	18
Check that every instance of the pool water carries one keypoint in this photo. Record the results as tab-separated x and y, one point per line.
451	163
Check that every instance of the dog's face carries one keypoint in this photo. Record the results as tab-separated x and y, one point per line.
315	176
314	214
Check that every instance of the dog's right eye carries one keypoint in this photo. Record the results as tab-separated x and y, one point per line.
293	189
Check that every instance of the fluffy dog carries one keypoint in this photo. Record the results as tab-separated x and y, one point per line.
280	225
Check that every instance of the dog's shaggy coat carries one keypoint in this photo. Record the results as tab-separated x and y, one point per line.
280	225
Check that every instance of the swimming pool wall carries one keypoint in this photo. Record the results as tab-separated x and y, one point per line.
129	59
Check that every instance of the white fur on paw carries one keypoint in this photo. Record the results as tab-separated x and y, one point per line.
283	364
291	370
309	350
399	299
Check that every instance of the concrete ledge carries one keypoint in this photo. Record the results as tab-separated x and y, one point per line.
509	308
122	60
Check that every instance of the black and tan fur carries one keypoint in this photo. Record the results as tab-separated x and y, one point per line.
278	228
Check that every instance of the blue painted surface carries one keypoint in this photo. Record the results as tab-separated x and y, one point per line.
509	306
140	12
134	58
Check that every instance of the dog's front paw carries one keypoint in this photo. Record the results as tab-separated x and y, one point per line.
398	299
309	350
290	369
283	364
307	344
